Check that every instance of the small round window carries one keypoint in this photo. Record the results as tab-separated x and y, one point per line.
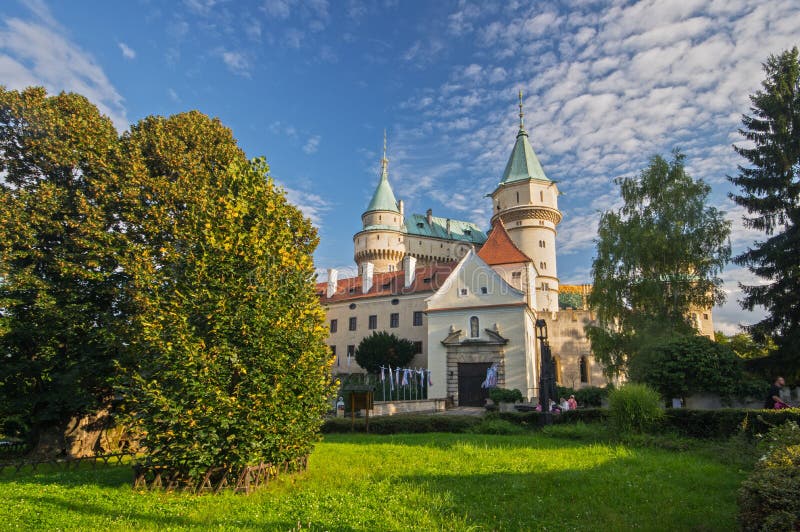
395	301
352	306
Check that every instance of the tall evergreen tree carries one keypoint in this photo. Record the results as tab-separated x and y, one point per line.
658	258
770	192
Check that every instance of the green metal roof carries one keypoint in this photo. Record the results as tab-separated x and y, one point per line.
383	199
417	224
523	163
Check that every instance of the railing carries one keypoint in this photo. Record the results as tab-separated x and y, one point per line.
16	466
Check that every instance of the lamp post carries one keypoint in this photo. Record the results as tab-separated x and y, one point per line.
546	378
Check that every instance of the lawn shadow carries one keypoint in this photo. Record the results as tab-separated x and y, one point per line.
605	496
111	476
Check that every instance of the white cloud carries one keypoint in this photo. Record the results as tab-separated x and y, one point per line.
236	62
313	206
127	51
312	144
38	52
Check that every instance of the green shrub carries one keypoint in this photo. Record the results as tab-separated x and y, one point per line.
533	419
403	424
501	395
768	499
635	408
726	422
590	396
494	425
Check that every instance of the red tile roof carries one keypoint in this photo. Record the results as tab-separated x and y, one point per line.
500	249
426	279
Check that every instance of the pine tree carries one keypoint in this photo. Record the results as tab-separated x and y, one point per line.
770	192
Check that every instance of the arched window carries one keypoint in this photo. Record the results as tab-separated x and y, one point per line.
584	370
474	327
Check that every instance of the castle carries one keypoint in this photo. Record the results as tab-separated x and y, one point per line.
467	299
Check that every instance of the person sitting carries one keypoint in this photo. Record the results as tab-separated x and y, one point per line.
573	404
564	404
554	407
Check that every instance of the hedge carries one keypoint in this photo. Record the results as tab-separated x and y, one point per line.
727	421
403	424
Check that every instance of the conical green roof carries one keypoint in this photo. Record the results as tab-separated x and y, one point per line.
523	163
383	199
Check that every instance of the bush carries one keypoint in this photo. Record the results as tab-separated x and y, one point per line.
635	408
501	395
590	396
726	422
533	419
768	499
494	425
403	424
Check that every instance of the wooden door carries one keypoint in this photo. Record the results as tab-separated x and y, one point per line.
470	377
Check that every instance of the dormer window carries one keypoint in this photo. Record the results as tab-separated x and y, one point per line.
420	225
468	232
426	280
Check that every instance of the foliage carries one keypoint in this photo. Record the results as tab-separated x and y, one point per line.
591	396
502	395
770	192
59	243
228	336
658	257
744	345
534	418
689	364
403	424
494	425
384	349
768	498
726	422
420	481
635	408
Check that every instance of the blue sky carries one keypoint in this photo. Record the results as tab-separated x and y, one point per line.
312	84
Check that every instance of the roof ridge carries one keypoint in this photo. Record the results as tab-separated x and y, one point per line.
500	248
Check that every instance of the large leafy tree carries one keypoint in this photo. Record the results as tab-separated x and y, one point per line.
58	257
659	257
228	335
384	349
770	192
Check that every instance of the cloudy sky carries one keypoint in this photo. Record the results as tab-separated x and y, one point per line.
312	84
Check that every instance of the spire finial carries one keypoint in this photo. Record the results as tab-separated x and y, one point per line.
521	113
384	160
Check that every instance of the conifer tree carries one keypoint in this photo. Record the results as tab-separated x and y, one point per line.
770	192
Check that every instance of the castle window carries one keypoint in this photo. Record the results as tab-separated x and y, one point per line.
417	347
373	322
541	195
474	327
417	319
395	301
426	280
584	370
420	225
517	197
351	351
353	323
352	290
516	275
705	316
333	352
394	320
334	326
387	285
352	306
519	223
463	291
379	217
468	232
484	290
557	367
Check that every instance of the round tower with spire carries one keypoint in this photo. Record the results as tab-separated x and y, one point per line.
381	240
527	203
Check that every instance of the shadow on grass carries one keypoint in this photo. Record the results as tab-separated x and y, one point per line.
111	476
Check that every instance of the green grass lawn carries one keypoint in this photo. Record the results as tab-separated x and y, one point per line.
421	481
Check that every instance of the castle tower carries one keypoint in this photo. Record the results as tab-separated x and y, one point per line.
527	203
381	240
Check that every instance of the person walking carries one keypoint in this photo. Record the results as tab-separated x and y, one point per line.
774	401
